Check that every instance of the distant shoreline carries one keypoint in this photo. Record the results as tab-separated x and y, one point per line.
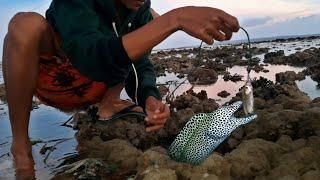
255	41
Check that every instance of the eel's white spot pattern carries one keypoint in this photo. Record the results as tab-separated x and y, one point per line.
204	132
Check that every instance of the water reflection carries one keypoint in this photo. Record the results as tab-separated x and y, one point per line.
233	87
44	126
289	47
310	87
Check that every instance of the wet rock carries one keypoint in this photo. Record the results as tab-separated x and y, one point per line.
258	68
294	163
203	76
185	100
218	67
314	72
285	141
153	157
85	169
232	143
260	103
197	108
197	102
238	133
214	167
3	93
163	90
223	94
297	144
311	175
159	69
158	174
316	101
202	95
181	76
261	83
256	51
117	151
165	62
233	78
157	158
210	105
252	158
248	62
217	59
274	54
217	165
271	126
267	90
288	76
307	58
129	128
183	115
309	123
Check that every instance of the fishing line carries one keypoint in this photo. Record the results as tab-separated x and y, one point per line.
249	67
249	44
249	53
248	37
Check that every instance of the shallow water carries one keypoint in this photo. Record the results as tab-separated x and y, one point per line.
308	85
44	125
45	121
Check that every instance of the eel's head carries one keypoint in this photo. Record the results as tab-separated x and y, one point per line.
222	121
228	111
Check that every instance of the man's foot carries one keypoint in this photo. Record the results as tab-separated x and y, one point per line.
109	108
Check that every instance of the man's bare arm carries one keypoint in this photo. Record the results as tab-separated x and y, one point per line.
200	22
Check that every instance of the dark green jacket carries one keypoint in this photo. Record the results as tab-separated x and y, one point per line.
90	41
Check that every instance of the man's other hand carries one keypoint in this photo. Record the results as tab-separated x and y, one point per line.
157	114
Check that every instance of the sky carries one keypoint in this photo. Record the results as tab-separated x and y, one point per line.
262	18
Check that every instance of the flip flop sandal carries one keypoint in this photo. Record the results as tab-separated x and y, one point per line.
126	112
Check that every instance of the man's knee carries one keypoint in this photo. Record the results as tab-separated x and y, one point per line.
26	26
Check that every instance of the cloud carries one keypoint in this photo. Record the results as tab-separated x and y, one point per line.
255	21
240	7
262	18
294	26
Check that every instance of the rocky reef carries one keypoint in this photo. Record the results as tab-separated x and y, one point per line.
283	142
309	58
205	66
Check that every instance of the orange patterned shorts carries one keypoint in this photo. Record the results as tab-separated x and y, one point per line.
62	86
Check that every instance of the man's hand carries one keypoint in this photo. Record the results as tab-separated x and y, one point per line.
157	112
207	24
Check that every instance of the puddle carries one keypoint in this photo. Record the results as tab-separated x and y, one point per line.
233	87
310	87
